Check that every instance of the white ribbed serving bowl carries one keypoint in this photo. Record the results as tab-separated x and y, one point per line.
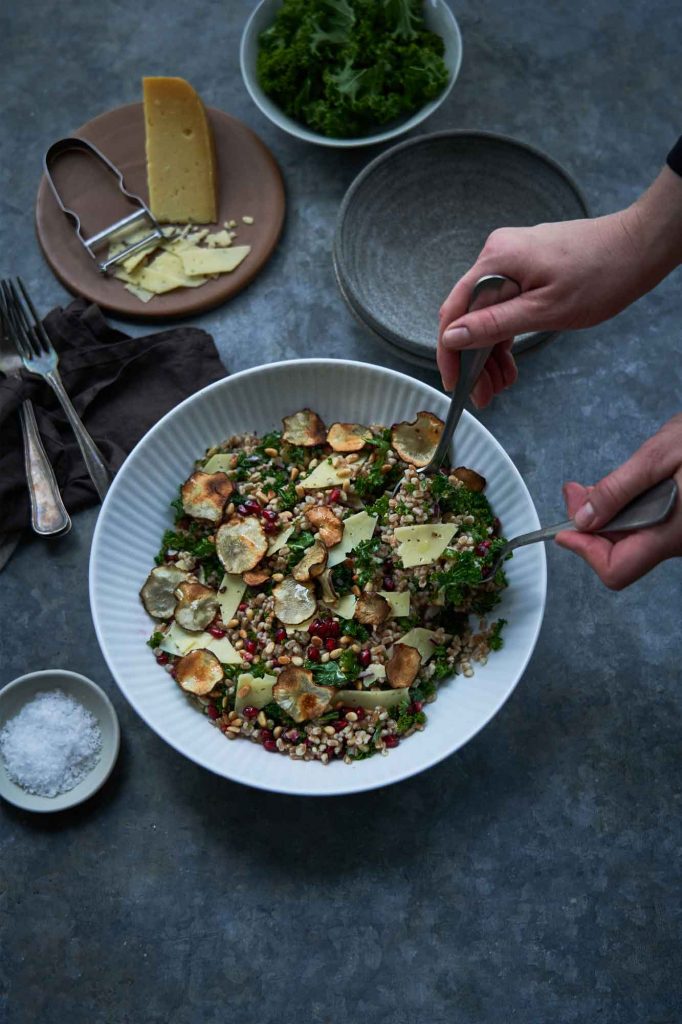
136	512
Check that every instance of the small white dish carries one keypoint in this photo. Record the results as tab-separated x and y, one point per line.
19	692
136	512
438	17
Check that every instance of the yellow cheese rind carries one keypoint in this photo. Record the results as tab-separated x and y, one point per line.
399	603
424	640
181	164
197	261
423	544
356	528
259	692
230	594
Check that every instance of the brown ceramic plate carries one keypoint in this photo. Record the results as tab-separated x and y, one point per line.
250	185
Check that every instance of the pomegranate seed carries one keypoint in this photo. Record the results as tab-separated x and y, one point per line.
292	736
217	631
242	606
389	583
335	494
316	627
269	527
330	644
270	515
497	525
483	548
330	628
250	712
242	510
247	656
360	713
391	741
416	707
252	507
265	735
280	636
388	565
313	653
365	658
212	712
341	724
251	646
162	657
270	745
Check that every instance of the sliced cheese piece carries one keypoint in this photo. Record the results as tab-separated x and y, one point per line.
400	603
219	463
424	640
369	699
197	261
323	476
230	594
356	528
345	606
140	293
182	172
179	641
373	674
164	274
255	693
422	545
280	539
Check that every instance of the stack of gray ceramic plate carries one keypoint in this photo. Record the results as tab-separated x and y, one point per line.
416	218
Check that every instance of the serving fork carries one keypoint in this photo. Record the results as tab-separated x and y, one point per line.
39	357
48	514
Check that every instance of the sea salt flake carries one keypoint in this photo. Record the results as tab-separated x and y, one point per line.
51	744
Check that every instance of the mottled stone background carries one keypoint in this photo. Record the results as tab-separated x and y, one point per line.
533	877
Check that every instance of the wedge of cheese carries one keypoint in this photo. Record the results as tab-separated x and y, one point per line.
356	528
213	261
182	173
422	545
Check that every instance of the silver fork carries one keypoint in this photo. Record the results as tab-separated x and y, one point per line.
647	509
39	357
48	514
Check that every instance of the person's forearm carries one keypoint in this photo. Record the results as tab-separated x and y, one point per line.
654	222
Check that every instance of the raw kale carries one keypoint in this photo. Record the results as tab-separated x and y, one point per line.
440	662
342	579
178	508
460	501
370	484
271	440
344	67
350	627
379	508
405	719
365	560
329	674
349	665
154	640
496	641
422	691
459	577
297	544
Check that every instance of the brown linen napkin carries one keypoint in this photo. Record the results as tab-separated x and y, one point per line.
120	387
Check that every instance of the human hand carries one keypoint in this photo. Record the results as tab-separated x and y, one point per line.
620	559
572	274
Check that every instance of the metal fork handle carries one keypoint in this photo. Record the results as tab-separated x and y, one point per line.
648	509
487	291
94	463
48	515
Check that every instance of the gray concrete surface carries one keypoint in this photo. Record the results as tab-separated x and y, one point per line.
534	876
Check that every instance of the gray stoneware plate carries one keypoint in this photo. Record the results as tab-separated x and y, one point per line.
416	218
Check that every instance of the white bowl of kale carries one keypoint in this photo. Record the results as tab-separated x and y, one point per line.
350	73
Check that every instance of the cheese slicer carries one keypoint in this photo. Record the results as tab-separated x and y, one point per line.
137	218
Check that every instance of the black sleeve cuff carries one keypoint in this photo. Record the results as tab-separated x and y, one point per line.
674	159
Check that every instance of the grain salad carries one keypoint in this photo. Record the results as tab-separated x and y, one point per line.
305	607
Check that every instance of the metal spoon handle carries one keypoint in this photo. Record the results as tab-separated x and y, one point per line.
647	509
487	291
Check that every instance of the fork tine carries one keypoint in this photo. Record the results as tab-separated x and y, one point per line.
17	329
23	325
40	332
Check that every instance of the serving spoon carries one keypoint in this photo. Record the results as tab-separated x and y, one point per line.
648	509
487	291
